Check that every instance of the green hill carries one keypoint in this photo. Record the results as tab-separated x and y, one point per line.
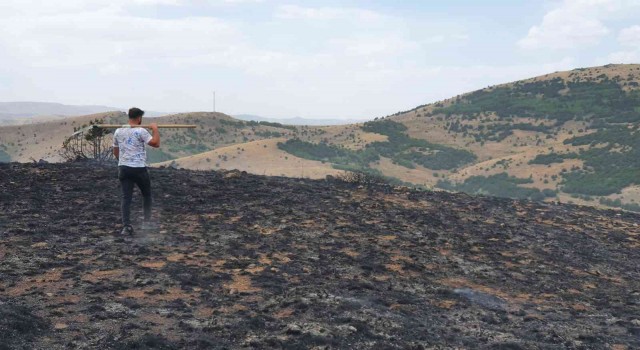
567	136
587	116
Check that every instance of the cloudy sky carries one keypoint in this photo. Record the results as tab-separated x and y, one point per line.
321	59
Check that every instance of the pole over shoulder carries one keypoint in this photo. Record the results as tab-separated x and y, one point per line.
161	126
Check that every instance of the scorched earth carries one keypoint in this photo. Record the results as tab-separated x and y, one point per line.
244	261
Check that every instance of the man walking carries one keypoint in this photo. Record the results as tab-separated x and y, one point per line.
129	149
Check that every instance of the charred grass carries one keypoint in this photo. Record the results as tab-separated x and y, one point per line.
244	261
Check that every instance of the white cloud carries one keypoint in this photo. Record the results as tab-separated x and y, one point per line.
110	37
630	36
391	44
326	13
110	40
159	2
461	37
577	23
242	1
632	56
13	8
323	61
564	27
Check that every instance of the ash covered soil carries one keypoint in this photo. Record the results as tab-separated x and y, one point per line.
244	261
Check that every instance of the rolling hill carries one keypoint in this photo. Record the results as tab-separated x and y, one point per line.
29	112
23	112
296	120
567	136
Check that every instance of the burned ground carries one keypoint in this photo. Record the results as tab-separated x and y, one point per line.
243	261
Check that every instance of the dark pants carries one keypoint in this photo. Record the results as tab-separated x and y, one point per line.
129	176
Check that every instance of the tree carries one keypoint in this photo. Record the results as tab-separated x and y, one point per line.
88	143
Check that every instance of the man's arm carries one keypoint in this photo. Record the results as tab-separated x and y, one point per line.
155	139
116	149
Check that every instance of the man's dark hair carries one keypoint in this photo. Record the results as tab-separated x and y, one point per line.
135	113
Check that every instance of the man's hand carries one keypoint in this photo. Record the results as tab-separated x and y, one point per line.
155	140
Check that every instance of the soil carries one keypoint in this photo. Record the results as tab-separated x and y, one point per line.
245	261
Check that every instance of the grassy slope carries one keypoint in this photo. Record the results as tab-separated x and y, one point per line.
42	140
259	157
511	154
518	149
220	135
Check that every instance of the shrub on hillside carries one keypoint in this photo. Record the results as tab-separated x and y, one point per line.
408	151
363	178
553	99
500	185
550	158
612	162
617	203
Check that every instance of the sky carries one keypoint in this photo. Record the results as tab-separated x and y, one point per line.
313	59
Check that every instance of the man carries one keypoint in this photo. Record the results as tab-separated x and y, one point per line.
129	150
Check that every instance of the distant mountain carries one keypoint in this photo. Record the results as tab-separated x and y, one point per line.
29	111
298	120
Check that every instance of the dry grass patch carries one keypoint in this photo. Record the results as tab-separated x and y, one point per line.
241	284
258	157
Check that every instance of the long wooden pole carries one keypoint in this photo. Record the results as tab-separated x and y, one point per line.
162	126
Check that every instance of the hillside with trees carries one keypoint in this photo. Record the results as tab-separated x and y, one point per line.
567	136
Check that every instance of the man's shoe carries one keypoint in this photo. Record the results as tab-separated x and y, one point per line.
127	230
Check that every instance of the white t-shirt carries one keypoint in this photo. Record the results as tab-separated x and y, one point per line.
131	142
